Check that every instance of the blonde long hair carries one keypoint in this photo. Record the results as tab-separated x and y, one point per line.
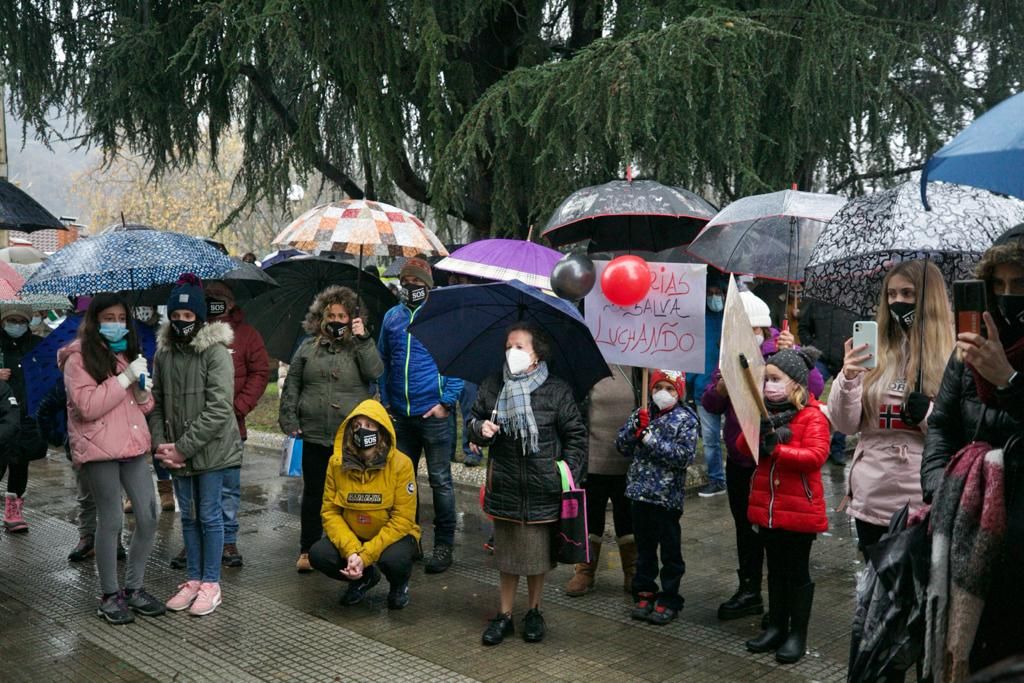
894	345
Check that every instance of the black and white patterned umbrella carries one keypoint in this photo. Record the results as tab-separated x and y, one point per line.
871	234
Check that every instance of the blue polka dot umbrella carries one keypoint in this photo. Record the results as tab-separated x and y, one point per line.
127	260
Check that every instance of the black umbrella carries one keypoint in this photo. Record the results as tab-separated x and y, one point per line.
18	211
623	214
278	313
247	281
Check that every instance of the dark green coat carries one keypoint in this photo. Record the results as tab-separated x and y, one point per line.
325	383
194	389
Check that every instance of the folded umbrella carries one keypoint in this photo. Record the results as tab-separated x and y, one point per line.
502	260
464	329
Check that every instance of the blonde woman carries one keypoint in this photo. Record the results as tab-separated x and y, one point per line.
885	405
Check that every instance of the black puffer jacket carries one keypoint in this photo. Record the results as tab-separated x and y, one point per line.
527	488
958	418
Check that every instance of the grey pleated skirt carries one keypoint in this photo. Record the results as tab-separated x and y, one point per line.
523	549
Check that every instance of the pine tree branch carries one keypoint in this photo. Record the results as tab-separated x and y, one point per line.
261	85
871	175
473	212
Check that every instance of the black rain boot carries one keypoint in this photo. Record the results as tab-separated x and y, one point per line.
745	602
778	628
799	602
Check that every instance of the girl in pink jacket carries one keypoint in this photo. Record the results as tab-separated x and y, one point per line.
110	443
884	404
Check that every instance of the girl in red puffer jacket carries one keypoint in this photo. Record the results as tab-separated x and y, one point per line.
787	502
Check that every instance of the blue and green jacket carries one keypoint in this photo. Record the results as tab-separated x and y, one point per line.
411	384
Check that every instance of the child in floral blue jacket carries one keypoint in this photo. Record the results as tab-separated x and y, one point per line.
662	442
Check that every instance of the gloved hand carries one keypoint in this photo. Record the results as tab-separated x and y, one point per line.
643	420
136	368
784	433
915	410
769	442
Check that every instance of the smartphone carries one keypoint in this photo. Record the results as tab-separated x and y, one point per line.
866	332
969	303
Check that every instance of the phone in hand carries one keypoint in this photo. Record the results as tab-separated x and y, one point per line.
866	332
969	303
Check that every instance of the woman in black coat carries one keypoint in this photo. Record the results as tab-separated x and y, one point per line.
529	420
982	399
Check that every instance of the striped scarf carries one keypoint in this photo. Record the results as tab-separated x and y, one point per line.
513	411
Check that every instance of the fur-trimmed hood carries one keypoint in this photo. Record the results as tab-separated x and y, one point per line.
208	335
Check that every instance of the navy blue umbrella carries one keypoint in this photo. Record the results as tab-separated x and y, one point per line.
464	329
40	365
126	260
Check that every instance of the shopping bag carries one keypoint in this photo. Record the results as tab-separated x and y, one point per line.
291	457
571	536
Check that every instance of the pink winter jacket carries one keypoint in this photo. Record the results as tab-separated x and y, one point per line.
104	420
885	473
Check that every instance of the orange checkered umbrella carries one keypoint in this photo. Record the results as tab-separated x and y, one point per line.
362	228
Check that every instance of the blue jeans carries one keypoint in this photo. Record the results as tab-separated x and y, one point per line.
231	500
432	435
200	496
711	435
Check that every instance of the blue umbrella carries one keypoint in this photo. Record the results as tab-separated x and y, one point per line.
40	365
126	260
988	154
275	257
463	327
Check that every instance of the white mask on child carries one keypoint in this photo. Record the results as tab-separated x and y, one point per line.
663	399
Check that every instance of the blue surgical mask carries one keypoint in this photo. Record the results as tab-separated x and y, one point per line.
35	321
716	303
16	330
113	332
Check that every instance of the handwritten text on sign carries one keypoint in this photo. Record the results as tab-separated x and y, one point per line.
663	330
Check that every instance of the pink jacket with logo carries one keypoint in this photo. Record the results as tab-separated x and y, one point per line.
885	473
105	422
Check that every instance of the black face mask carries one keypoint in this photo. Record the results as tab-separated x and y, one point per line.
365	438
216	307
1012	308
335	329
903	313
414	295
185	329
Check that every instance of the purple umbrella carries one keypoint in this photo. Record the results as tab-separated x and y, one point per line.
503	260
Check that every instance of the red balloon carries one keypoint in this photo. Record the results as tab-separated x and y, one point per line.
626	280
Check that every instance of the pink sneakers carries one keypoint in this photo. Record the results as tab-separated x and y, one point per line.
185	596
207	600
13	521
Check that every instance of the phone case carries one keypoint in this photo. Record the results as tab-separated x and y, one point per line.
866	332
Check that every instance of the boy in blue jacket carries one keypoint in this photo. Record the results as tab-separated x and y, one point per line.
662	441
419	400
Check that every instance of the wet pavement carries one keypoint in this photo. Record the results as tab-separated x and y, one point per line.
277	625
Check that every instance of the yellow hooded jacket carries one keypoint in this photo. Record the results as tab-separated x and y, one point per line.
366	510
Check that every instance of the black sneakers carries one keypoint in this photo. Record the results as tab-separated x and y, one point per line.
500	626
439	560
179	561
398	597
114	609
712	489
358	589
83	551
643	607
141	602
533	626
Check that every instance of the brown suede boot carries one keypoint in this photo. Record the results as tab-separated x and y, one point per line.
582	582
627	553
166	491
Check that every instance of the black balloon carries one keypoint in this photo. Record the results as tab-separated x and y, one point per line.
573	276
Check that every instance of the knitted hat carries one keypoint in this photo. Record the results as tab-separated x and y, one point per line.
677	379
757	310
82	304
417	267
20	310
188	294
796	363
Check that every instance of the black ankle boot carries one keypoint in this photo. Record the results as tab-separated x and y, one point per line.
778	626
745	602
800	601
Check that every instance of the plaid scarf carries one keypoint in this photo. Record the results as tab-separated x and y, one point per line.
513	411
968	532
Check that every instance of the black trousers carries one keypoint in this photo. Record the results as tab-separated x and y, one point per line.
602	488
655	528
314	472
868	534
749	550
17	481
789	555
395	562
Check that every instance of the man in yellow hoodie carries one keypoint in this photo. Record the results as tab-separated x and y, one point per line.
369	509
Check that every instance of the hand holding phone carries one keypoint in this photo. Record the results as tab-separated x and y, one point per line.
969	303
863	346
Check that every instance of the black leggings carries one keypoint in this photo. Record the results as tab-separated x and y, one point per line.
868	534
600	489
17	482
314	471
789	555
749	550
395	562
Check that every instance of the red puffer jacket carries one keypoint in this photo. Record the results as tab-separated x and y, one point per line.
252	366
786	491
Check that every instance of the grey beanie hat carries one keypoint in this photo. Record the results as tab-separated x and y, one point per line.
796	363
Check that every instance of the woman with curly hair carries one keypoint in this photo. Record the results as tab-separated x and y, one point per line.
330	374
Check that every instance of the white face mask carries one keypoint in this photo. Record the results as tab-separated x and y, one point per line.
518	361
759	338
663	399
